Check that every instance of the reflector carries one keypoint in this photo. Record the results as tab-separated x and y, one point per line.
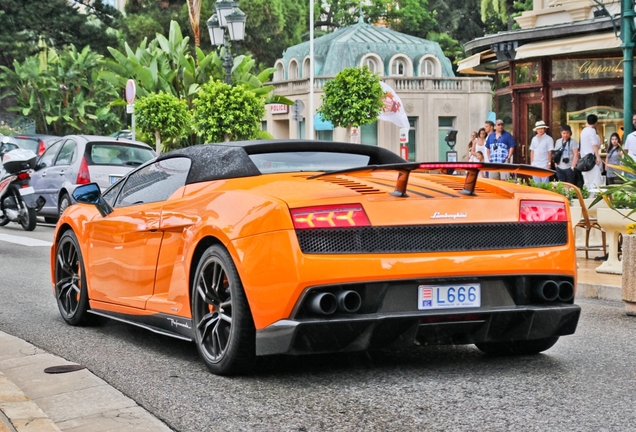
331	216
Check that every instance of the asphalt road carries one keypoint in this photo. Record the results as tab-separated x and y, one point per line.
587	382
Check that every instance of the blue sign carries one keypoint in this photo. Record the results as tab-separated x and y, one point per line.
321	124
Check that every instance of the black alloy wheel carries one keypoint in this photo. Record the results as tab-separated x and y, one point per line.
526	347
70	280
224	328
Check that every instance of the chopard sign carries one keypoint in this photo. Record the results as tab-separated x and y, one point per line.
438	215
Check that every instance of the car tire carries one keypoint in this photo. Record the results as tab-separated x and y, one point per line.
65	201
72	300
222	321
526	347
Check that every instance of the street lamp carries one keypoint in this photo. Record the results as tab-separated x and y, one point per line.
227	24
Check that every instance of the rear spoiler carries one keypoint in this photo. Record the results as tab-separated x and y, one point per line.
472	171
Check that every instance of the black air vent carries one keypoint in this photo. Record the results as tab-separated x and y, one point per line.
360	188
432	238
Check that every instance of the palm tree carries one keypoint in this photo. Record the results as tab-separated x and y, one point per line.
194	11
503	8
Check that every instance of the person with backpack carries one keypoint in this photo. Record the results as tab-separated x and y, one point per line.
566	155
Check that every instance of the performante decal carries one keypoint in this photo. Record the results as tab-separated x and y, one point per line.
176	323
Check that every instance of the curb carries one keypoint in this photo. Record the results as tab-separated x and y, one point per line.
34	401
599	292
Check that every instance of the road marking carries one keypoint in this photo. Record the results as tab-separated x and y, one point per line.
24	241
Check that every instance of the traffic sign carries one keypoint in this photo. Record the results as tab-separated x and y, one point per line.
130	108
298	107
297	117
131	91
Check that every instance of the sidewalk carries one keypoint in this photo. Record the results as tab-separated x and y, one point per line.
34	401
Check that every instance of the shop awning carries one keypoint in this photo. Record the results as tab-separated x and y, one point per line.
593	42
469	64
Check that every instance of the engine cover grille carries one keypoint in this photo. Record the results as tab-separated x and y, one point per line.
432	238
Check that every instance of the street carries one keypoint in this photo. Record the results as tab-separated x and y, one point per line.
585	383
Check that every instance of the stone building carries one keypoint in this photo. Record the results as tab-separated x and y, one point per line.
434	99
563	64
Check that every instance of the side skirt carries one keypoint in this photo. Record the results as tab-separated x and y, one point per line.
163	324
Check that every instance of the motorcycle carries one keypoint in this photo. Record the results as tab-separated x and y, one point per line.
17	199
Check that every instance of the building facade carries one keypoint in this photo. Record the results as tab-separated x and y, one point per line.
434	99
562	65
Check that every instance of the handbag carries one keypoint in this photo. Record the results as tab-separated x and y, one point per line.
586	163
556	156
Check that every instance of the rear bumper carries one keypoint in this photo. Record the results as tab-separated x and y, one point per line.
397	330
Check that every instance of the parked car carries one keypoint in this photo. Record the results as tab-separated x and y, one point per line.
124	133
37	143
300	247
82	159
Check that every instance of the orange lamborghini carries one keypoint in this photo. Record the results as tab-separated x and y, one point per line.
296	247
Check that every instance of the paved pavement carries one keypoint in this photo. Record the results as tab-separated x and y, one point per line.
32	400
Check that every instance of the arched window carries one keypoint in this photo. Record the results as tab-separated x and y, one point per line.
398	67
306	68
427	68
293	70
372	64
279	75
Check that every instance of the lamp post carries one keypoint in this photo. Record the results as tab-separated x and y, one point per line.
225	25
627	34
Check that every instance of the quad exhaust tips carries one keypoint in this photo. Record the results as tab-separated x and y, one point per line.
326	303
549	291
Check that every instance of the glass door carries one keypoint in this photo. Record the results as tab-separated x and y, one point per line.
531	112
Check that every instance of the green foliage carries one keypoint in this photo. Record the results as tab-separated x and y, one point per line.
227	113
165	116
352	98
412	17
64	95
504	10
621	196
451	48
557	187
28	27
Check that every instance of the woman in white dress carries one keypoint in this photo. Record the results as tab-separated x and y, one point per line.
479	145
471	144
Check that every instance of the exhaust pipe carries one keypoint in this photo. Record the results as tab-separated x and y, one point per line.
349	301
322	303
547	290
566	291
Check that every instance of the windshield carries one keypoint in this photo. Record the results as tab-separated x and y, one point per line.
118	154
307	161
28	143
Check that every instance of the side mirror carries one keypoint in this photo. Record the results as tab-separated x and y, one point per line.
91	194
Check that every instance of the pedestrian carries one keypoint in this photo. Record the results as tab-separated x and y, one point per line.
471	143
489	127
541	147
590	143
630	143
613	153
500	145
480	144
569	150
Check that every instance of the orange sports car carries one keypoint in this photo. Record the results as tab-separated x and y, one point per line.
296	247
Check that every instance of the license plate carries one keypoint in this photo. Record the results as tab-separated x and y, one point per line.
114	179
27	190
448	296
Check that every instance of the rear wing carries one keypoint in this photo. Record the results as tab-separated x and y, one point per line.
472	172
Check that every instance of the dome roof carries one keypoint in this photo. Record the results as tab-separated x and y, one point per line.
346	46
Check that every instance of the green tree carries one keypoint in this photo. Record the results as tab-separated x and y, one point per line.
405	16
165	116
506	10
28	27
352	98
64	95
227	113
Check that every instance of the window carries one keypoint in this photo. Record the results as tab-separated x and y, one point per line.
67	154
46	160
427	68
109	153
324	135
154	182
372	64
293	70
369	134
306	68
279	75
307	161
398	67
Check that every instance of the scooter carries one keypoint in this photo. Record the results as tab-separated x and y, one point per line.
17	199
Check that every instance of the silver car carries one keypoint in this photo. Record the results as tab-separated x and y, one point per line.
82	159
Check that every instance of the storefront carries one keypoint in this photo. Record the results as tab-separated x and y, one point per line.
558	73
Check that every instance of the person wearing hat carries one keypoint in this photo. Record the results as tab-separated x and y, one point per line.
500	145
541	150
569	155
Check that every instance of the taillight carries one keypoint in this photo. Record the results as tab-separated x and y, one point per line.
23	176
330	216
542	211
83	176
41	148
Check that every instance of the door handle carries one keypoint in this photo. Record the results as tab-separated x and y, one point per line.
43	174
61	173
